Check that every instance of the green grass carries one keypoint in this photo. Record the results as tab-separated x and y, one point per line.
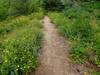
82	29
95	73
19	47
8	26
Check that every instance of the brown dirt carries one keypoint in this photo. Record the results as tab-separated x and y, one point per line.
54	54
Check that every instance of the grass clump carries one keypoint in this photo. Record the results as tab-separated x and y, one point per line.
8	26
82	29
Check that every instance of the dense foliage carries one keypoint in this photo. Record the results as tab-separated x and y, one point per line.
20	36
81	26
52	4
19	54
19	44
17	7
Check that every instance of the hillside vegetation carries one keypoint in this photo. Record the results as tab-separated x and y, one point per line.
80	23
19	45
21	32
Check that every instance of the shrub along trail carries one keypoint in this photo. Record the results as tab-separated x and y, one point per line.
53	55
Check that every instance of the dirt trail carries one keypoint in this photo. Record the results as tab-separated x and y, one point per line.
53	57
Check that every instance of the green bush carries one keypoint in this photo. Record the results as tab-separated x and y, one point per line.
9	8
3	9
90	6
52	4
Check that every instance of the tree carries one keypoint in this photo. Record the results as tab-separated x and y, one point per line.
3	9
52	4
17	7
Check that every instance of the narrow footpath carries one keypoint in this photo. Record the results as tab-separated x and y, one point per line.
54	53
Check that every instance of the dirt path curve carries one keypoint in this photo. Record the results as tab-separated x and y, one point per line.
53	57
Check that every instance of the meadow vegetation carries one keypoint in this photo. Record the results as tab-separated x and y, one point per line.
21	32
80	23
20	41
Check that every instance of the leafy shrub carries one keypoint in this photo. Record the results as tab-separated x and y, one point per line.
90	6
3	9
32	6
52	4
9	8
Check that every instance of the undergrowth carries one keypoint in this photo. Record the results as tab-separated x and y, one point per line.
76	25
19	50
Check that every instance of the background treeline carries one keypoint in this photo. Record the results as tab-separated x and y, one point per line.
17	7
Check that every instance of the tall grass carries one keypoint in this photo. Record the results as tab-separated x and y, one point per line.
6	27
10	25
19	44
76	25
20	52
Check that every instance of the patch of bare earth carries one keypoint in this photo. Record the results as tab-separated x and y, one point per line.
54	54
